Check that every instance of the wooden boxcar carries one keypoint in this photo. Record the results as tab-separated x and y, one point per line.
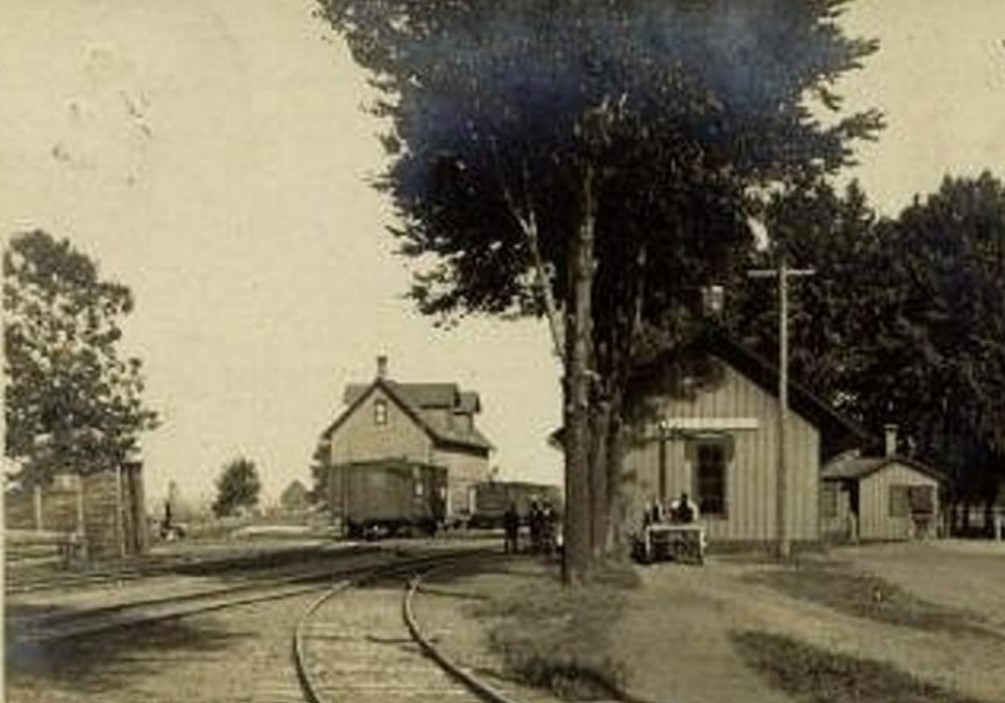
387	497
492	498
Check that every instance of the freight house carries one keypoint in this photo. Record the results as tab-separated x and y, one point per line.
425	423
712	432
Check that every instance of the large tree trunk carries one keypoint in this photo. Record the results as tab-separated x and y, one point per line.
600	417
579	346
616	538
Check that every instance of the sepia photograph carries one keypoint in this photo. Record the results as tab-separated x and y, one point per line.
519	351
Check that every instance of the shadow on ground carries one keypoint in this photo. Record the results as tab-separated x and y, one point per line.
103	662
867	596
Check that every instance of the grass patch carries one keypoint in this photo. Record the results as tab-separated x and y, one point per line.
862	595
559	639
815	675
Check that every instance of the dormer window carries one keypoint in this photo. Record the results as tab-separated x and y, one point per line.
380	412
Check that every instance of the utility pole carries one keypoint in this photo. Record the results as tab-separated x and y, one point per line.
782	274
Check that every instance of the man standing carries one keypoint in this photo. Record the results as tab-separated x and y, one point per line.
511	524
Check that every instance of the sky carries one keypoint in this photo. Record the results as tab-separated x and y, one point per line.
214	156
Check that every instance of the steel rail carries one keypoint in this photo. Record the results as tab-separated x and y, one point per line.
311	687
72	625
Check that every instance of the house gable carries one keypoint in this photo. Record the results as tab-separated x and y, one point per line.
703	360
357	435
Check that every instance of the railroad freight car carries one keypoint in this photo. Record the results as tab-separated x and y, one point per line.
490	500
389	497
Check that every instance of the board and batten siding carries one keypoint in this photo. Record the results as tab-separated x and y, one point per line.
360	438
875	521
464	470
751	469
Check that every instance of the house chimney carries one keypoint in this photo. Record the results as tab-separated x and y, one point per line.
890	432
381	366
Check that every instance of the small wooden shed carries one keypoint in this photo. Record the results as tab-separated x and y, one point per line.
105	507
879	498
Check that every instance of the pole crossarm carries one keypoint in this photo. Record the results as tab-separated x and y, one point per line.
773	273
782	274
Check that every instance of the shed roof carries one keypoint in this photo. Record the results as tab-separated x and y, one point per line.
853	467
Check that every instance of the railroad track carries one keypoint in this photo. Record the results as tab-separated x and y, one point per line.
360	642
183	564
356	639
61	625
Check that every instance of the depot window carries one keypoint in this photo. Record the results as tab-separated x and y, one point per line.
380	412
710	478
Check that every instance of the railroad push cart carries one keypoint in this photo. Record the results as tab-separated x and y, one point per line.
662	541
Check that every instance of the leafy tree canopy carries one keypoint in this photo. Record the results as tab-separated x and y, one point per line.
496	108
905	320
73	403
237	487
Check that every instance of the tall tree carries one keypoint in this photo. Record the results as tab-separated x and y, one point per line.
905	321
559	158
837	234
938	362
73	402
237	487
320	463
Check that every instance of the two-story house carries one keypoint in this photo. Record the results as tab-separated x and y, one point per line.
429	423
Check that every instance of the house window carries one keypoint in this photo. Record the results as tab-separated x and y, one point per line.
380	412
710	478
899	501
828	501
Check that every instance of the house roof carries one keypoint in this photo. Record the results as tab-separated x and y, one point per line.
413	399
424	395
854	467
294	491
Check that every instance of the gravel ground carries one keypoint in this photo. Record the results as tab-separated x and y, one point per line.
238	655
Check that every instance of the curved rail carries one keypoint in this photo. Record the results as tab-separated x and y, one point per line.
476	684
307	683
312	688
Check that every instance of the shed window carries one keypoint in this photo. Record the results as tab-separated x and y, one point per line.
921	499
828	501
899	503
380	412
710	478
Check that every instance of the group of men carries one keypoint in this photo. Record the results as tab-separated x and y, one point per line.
682	511
542	521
